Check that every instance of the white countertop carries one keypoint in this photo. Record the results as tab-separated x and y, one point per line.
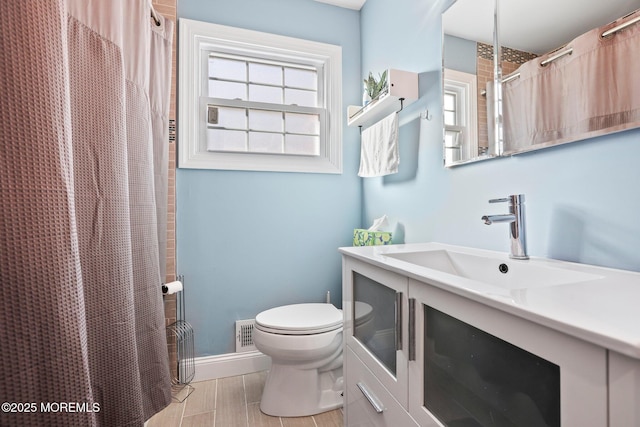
604	311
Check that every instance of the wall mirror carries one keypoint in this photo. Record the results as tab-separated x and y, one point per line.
563	81
468	68
513	117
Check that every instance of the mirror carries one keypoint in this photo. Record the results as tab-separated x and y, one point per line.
468	68
528	30
547	49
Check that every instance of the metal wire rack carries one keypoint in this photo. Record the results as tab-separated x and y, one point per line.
180	333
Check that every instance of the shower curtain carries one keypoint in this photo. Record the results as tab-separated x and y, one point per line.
593	91
83	185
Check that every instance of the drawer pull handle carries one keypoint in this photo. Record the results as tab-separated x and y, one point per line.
373	400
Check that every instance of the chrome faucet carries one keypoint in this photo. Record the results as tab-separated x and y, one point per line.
515	218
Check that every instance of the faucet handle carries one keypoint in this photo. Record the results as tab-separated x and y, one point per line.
503	199
515	199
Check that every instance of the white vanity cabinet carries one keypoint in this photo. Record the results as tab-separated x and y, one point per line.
427	356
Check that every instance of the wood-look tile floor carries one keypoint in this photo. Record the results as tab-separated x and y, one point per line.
233	402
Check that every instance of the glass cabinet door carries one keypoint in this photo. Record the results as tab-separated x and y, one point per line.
473	378
375	308
477	366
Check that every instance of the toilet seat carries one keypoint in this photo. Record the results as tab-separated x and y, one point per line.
300	319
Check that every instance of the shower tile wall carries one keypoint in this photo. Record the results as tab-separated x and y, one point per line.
167	8
511	60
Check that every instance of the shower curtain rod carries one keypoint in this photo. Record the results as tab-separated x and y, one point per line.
567	51
621	26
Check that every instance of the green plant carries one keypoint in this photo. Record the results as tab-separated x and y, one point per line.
375	87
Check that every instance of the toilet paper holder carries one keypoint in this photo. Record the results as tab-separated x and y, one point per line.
172	287
180	334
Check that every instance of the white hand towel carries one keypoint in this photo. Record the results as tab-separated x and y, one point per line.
379	148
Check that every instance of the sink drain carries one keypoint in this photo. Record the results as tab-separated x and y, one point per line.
503	268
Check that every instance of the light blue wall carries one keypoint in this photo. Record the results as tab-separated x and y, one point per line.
583	200
248	241
460	54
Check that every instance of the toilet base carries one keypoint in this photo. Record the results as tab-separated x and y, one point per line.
291	392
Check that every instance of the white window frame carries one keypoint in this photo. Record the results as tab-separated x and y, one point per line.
465	86
197	40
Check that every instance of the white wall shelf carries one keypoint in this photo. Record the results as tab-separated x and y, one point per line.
402	91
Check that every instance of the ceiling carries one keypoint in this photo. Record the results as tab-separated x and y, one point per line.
532	26
349	4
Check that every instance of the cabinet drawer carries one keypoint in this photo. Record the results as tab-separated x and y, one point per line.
364	392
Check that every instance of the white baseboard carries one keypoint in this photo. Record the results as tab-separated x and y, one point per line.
229	365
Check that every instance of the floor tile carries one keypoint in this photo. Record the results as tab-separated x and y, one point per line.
258	419
206	419
298	422
169	416
202	399
329	419
253	385
231	407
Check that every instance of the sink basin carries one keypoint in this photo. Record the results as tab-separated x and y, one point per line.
504	273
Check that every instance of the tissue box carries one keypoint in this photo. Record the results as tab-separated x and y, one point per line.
362	237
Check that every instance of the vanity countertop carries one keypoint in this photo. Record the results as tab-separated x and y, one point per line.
603	307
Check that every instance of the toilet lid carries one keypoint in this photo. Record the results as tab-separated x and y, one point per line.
300	319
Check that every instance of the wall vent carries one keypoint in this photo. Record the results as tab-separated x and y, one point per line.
244	335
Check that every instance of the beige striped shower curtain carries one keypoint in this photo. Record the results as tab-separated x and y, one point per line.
84	102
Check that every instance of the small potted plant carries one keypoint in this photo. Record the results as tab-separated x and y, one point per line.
374	87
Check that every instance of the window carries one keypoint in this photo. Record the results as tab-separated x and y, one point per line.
460	121
257	101
263	107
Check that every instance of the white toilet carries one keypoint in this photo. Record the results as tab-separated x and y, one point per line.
304	342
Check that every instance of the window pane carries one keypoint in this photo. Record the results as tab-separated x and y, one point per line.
449	102
450	118
304	79
265	120
305	98
234	118
452	138
260	93
262	73
226	140
452	149
265	142
227	69
227	90
302	144
302	123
